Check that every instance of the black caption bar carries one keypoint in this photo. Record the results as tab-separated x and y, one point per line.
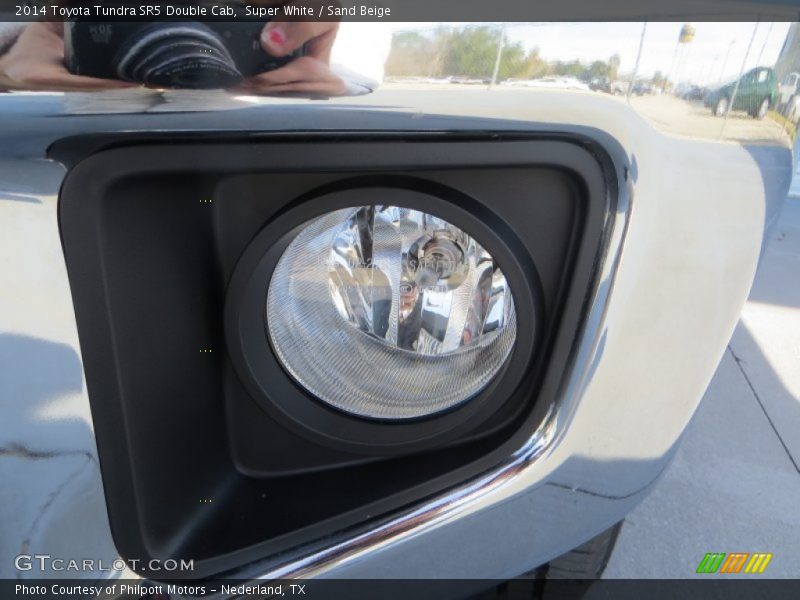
433	589
404	10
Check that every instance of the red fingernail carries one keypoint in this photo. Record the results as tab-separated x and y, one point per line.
277	37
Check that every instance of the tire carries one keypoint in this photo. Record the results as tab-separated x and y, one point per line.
787	107
567	577
721	106
587	561
762	109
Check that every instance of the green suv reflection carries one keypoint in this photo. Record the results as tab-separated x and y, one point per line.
757	92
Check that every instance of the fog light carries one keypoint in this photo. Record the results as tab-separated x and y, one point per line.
389	313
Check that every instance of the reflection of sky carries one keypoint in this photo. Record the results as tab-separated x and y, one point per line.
704	57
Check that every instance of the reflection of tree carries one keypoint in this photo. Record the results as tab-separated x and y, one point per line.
599	69
472	52
613	66
572	68
536	65
411	53
468	52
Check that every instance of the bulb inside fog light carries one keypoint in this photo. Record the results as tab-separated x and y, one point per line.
415	281
389	312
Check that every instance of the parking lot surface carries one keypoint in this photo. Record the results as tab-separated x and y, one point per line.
664	112
734	485
692	119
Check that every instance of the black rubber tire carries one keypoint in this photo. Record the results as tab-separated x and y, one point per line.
587	561
786	109
757	112
567	577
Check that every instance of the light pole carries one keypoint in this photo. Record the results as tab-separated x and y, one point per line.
725	62
685	37
707	80
636	66
500	45
764	45
738	79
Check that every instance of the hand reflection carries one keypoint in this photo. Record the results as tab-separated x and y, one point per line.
36	62
309	74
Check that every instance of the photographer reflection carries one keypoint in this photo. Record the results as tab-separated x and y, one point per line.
281	57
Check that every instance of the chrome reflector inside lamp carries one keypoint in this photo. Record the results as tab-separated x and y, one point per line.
389	313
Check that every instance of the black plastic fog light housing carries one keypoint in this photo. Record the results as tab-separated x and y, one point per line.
159	274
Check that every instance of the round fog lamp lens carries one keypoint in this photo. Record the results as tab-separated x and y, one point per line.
389	313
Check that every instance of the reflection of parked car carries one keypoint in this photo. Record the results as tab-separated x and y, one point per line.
694	93
561	83
619	88
600	84
792	108
438	80
756	93
787	90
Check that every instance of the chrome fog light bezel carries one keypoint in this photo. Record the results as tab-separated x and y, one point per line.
275	390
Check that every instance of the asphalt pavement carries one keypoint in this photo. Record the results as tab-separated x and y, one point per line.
665	112
734	485
692	119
